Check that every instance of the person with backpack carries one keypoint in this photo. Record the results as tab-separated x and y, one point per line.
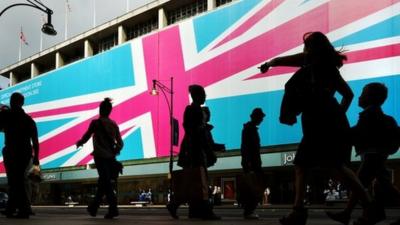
107	144
375	137
311	91
195	156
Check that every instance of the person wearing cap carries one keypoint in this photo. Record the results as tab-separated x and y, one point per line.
251	159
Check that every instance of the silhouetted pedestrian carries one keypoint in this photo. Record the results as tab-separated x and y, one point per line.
375	137
107	144
193	158
311	92
21	137
251	161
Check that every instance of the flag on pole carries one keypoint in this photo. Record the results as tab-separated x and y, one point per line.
68	6
22	37
67	11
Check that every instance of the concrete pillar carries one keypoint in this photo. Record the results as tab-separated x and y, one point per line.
13	79
162	18
121	35
59	60
211	4
88	49
34	70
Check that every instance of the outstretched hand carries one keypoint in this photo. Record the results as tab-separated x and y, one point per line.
79	144
264	67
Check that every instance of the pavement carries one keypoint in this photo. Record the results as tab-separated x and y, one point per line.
158	215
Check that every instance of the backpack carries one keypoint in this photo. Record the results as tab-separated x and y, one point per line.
391	136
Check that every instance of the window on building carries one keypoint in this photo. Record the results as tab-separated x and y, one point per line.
142	28
108	42
186	11
223	2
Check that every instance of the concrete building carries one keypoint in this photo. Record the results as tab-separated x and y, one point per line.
215	43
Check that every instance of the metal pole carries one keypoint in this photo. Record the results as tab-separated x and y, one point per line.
171	118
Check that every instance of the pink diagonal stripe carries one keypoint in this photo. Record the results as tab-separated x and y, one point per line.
250	22
344	12
85	160
373	53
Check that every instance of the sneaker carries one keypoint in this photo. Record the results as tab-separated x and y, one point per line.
297	217
172	208
92	210
111	214
341	217
252	216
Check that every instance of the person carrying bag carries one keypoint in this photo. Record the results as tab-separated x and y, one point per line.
190	184
107	144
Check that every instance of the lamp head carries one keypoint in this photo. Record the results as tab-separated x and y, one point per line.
154	90
48	27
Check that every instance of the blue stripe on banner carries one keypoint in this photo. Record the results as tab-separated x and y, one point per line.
102	72
229	114
211	25
133	147
59	161
385	29
47	126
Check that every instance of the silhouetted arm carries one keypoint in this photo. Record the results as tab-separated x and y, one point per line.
118	138
344	89
35	145
87	135
295	60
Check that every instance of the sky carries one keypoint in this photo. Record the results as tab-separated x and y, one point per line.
80	19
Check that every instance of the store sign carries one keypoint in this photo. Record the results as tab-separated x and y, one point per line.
287	158
50	176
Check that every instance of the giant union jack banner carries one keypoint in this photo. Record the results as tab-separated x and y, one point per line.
221	51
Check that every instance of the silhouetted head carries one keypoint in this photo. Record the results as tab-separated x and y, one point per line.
320	50
206	114
257	116
197	93
373	94
105	107
16	100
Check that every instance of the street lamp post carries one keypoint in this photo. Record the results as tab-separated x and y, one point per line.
170	90
47	27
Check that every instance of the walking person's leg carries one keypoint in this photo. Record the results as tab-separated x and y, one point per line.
366	177
110	189
385	181
11	180
299	214
95	203
371	214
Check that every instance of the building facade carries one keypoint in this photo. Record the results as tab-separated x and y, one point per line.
217	44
